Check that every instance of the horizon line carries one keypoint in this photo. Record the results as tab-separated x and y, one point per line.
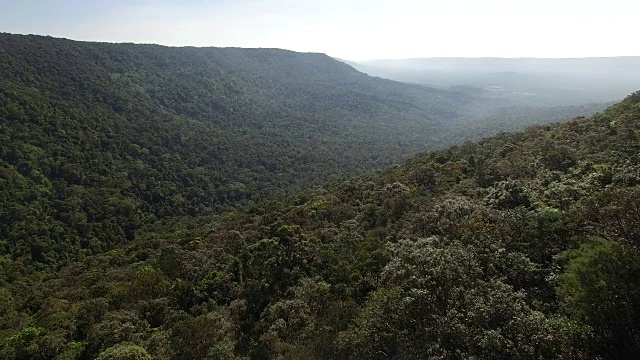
324	53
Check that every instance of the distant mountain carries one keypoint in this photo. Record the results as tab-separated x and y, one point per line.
531	81
606	66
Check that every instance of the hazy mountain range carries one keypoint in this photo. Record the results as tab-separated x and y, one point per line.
526	80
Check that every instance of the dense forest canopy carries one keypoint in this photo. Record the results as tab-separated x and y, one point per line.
158	203
520	246
100	139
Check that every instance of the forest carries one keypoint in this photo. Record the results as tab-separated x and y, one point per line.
207	203
99	140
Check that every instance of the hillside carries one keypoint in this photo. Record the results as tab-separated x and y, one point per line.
99	139
520	246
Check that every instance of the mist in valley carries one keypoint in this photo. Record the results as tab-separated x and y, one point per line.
519	81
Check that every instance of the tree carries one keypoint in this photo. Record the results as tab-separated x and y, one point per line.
437	301
600	285
124	351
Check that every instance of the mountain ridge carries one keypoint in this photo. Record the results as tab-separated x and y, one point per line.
134	133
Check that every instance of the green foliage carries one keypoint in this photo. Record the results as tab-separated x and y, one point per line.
100	139
124	351
30	343
601	286
475	251
439	301
614	214
205	337
110	137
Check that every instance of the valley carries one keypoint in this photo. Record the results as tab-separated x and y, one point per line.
227	203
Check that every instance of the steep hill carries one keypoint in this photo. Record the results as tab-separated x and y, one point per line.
99	139
520	246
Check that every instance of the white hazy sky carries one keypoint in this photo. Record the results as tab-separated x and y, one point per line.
349	29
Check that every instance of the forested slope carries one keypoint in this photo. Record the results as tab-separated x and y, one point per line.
100	139
520	246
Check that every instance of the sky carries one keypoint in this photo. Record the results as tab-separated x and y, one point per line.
348	29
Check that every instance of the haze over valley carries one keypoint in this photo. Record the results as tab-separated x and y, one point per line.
533	81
